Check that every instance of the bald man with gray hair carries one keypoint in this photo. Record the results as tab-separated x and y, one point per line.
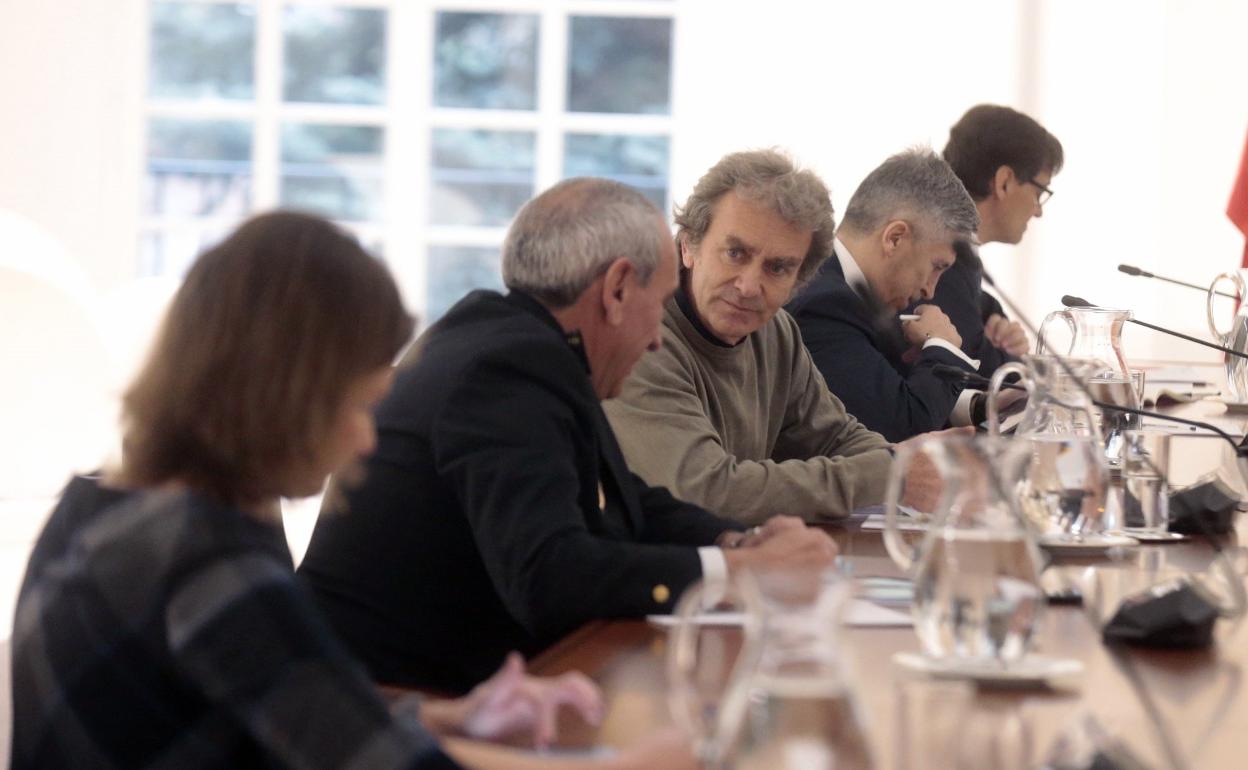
900	232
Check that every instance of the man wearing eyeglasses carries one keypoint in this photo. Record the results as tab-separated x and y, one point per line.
1006	161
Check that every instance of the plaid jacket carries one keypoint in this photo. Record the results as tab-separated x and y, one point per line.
170	632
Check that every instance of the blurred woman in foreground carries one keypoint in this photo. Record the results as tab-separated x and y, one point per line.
160	623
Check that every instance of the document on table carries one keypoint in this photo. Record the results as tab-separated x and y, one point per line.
1232	424
859	614
1176	375
872	518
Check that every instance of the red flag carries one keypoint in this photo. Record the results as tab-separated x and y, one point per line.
1237	209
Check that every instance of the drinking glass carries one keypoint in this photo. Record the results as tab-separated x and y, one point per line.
1146	465
1137	382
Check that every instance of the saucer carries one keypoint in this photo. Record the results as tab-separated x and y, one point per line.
1030	671
1086	545
1150	536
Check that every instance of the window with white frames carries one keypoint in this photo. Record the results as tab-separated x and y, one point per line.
420	125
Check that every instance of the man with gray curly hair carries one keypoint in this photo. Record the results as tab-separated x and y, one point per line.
730	413
898	236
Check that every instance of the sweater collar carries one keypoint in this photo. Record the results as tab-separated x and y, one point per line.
685	303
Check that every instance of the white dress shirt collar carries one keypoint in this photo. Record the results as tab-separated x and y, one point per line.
849	266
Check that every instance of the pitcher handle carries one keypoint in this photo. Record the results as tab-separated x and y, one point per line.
902	554
994	392
1070	321
1224	339
714	736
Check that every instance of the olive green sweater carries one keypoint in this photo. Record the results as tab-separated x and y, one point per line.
747	431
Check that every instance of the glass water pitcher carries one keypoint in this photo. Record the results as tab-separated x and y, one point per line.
1237	337
1096	335
782	701
1064	484
976	568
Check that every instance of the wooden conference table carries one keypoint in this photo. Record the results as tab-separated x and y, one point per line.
1197	698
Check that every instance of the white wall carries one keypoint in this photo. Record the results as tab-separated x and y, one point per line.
70	87
1148	97
69	169
841	85
1150	100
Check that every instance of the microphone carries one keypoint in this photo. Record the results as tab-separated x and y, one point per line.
1131	270
1079	302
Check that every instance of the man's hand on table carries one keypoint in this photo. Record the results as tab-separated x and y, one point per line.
512	701
760	534
782	542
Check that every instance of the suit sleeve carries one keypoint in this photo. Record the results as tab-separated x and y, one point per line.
897	404
831	464
961	297
669	520
511	459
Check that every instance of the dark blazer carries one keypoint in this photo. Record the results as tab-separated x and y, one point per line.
497	512
859	352
960	293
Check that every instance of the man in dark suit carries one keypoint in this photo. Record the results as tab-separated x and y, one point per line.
1007	161
897	237
497	512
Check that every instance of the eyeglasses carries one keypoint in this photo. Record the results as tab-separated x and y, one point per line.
1045	192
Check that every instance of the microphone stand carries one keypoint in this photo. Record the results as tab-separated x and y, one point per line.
1131	270
1079	302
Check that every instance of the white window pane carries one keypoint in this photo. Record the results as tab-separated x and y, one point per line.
486	61
198	167
170	251
202	51
456	270
480	177
335	171
619	65
335	55
640	161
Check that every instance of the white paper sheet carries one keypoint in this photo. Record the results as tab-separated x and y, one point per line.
904	523
859	614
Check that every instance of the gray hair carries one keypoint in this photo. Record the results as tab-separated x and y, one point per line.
771	178
915	184
565	238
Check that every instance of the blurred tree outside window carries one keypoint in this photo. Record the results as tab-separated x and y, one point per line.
486	61
422	129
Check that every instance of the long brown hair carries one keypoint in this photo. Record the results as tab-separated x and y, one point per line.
255	355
